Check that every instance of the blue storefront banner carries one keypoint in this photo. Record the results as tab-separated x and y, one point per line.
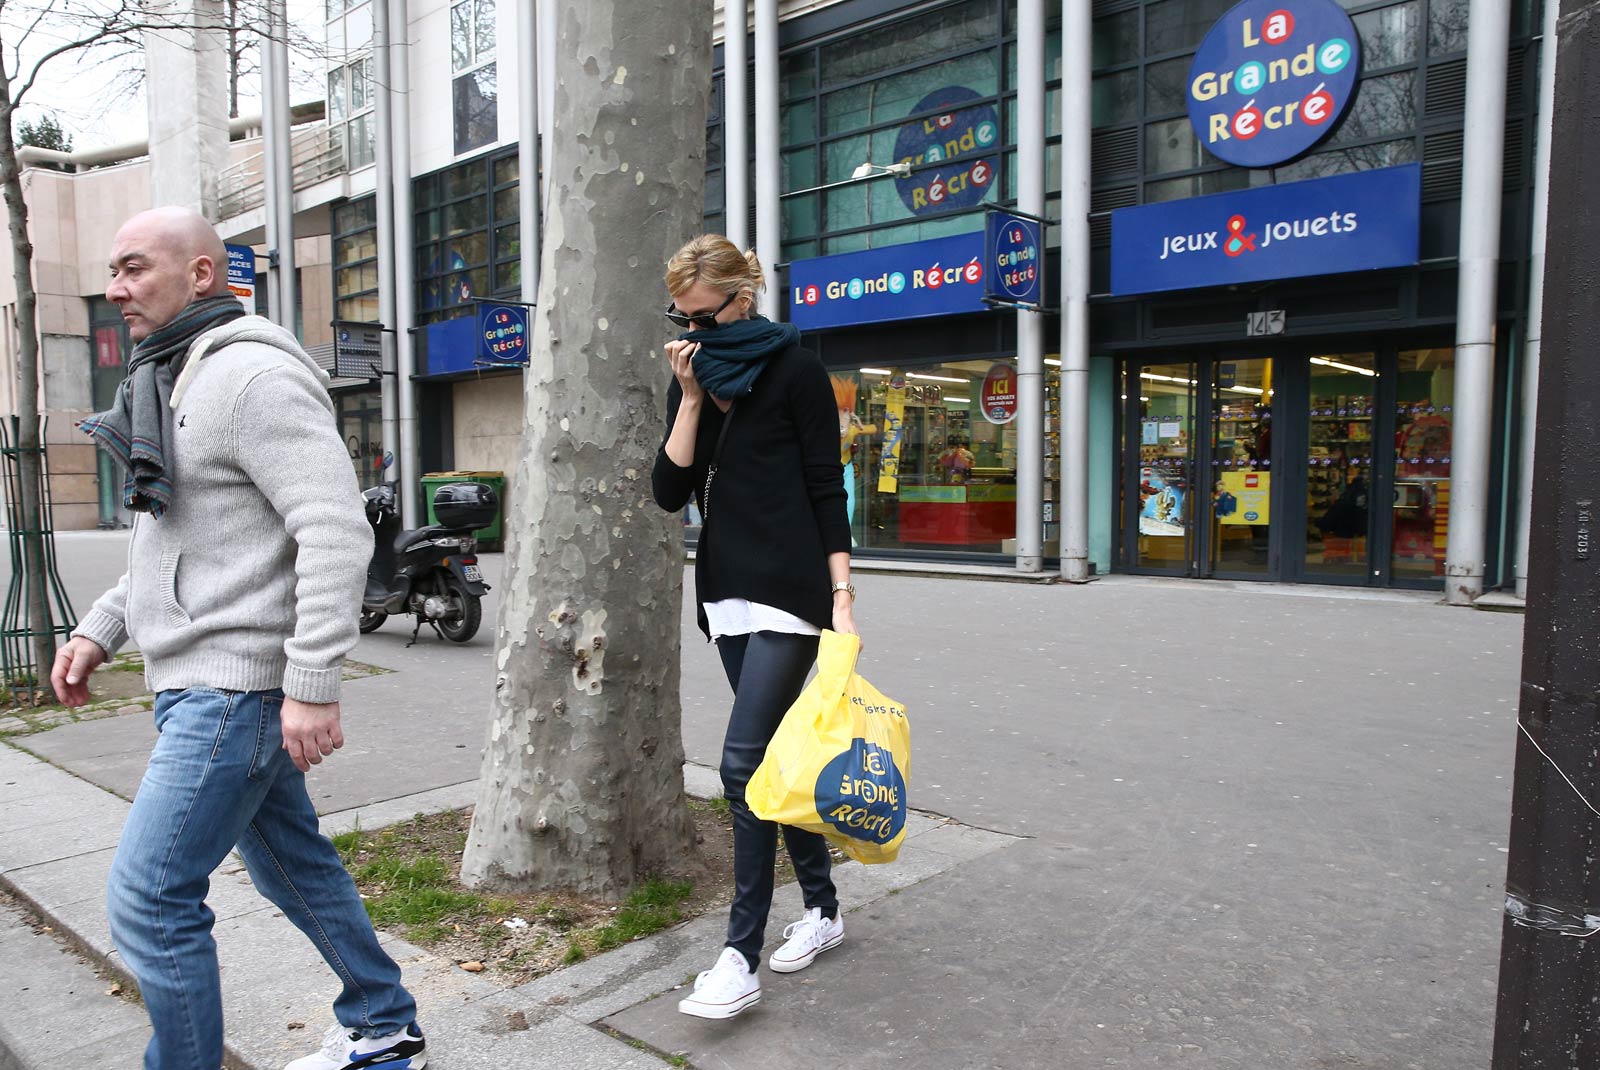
1272	78
937	277
1014	250
1355	222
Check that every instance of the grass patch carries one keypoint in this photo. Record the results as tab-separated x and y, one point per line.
655	906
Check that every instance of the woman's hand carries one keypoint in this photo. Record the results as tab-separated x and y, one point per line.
681	355
844	615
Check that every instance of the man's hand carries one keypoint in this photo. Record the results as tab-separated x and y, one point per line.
69	674
310	732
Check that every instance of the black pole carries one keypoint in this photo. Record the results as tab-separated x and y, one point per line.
1547	1015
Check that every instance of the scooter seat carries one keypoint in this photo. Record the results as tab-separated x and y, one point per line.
411	538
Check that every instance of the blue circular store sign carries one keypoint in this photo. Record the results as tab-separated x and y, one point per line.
1272	78
962	134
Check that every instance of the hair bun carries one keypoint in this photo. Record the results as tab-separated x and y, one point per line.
758	278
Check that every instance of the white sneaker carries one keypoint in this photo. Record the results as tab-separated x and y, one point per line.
724	990
806	939
347	1049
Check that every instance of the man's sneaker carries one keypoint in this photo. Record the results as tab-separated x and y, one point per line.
347	1049
724	990
806	939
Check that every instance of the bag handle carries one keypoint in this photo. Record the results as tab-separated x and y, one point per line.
711	469
836	662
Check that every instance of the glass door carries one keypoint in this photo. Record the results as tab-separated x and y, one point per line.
1424	393
1341	422
1240	492
1162	401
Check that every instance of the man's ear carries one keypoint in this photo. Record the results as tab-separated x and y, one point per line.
205	275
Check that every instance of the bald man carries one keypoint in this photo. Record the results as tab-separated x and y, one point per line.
243	589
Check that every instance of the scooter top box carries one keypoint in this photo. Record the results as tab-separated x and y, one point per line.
465	506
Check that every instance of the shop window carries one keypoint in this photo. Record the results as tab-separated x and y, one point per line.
1180	25
1114	98
355	261
1166	86
1424	400
1343	161
1116	39
1382	107
474	91
800	169
1390	37
1052	60
1171	146
1447	26
1175	189
925	466
907	95
351	93
469	242
799	121
951	29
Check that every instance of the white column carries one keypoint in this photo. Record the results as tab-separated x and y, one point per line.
736	122
769	206
528	149
405	283
1488	36
1076	121
281	161
1530	367
384	173
186	91
1030	325
548	37
269	202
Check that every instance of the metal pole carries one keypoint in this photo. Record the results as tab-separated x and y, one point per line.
405	286
1482	158
548	36
384	174
736	122
528	149
282	186
1530	368
269	158
1549	957
769	208
1030	325
1076	33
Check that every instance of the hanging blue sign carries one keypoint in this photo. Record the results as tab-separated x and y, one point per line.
1272	78
938	277
963	137
242	275
1014	251
1355	222
503	334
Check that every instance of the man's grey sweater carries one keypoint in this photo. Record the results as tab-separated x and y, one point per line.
252	579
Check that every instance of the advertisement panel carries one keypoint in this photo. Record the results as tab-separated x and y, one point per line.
1355	222
938	277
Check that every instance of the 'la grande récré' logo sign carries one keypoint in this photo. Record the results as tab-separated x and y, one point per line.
963	139
1271	79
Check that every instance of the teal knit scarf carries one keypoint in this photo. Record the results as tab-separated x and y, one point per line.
733	355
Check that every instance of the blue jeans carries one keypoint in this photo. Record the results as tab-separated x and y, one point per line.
219	778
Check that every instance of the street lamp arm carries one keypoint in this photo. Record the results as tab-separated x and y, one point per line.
864	173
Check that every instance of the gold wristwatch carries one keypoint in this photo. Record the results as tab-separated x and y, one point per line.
846	586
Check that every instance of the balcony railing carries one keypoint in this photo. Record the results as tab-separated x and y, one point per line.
317	154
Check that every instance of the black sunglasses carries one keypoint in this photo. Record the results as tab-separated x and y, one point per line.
703	320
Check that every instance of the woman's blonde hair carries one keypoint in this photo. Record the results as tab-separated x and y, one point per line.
717	262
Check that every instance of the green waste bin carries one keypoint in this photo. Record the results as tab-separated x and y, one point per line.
496	481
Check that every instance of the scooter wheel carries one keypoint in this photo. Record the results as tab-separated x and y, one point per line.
372	620
464	627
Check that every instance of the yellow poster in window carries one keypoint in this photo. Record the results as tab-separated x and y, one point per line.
1244	498
894	433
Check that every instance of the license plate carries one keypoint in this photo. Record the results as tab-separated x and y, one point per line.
473	573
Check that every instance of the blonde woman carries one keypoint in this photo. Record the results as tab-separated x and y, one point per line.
753	435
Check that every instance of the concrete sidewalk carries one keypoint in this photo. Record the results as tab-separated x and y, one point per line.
1248	826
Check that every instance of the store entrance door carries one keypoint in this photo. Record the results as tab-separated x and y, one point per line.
1200	455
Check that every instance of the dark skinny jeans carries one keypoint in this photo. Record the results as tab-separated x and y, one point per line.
767	671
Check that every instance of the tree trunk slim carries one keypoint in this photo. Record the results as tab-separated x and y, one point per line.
582	783
233	59
42	644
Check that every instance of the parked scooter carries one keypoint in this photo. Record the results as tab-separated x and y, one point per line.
432	572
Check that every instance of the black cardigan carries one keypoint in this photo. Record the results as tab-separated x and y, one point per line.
777	502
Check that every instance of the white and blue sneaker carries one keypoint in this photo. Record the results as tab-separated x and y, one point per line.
347	1049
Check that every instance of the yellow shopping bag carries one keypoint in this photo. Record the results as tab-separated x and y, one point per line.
840	761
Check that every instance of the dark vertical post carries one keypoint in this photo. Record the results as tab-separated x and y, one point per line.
1549	967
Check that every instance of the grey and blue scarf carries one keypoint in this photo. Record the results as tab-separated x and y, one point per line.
138	426
733	355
